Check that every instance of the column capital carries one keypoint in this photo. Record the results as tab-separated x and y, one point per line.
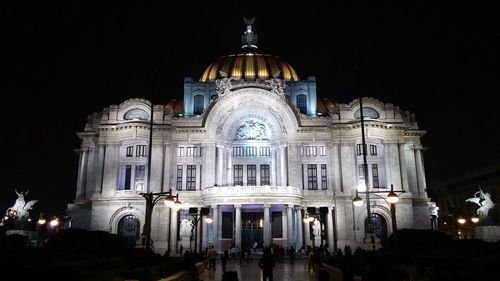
220	146
214	206
238	206
266	205
283	146
298	208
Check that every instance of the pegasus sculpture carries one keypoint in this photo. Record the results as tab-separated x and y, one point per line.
20	210
483	199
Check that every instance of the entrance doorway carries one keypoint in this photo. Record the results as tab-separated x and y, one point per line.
251	229
128	229
379	226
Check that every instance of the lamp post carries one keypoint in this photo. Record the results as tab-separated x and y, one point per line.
391	199
151	199
196	219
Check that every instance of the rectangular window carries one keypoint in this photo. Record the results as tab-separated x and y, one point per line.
251	175
312	177
361	172
192	151
140	151
375	175
251	151
140	172
323	177
265	151
264	175
311	151
180	151
359	149
179	177
238	175
373	150
201	151
130	151
191	177
322	151
238	151
128	176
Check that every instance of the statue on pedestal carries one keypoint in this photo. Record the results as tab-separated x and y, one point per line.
20	210
486	231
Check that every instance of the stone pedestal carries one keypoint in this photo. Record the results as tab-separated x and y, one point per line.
490	233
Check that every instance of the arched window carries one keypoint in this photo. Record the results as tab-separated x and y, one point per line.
128	229
302	103
198	104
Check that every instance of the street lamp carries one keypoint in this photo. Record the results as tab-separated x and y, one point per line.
151	199
391	199
196	219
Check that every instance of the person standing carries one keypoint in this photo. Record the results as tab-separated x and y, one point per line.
266	264
212	255
224	258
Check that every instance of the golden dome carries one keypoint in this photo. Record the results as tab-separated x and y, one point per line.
249	66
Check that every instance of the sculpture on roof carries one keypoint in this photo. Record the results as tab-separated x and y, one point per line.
483	199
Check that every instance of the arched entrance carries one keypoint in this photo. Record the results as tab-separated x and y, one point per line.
129	229
379	226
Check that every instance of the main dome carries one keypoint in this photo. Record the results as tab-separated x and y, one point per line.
249	66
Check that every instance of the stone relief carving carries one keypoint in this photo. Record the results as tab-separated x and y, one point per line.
251	130
277	86
223	86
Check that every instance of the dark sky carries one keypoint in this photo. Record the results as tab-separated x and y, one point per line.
63	60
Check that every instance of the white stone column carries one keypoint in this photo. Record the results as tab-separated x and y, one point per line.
307	234
283	168
204	240
273	166
237	228
422	186
284	225
404	172
82	174
387	164
330	228
290	225
215	226
267	225
99	170
209	165
349	168
173	231
111	169
300	238
220	162
229	179
337	176
167	163
394	164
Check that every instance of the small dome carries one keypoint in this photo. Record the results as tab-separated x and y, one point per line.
249	66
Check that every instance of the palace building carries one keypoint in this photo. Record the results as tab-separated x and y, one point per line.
254	143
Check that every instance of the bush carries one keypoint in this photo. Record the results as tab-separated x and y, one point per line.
79	241
417	241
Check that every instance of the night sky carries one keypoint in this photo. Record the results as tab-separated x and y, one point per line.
63	60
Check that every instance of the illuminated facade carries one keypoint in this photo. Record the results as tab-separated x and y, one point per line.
251	141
